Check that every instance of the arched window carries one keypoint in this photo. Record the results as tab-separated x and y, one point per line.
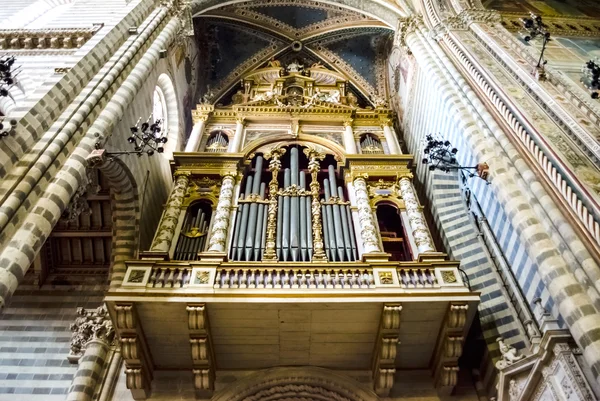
392	232
218	141
159	107
370	144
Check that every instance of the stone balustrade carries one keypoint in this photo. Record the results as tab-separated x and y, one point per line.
234	276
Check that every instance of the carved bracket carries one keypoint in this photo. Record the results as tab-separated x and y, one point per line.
384	358
449	348
201	350
134	350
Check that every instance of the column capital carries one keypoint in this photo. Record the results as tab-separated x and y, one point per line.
386	122
406	26
202	117
182	173
406	176
239	119
348	122
90	325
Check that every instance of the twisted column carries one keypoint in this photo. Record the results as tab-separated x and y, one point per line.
218	235
92	334
168	222
196	135
274	167
416	217
315	206
368	231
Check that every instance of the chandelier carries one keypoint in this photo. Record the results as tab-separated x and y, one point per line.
7	74
591	76
440	155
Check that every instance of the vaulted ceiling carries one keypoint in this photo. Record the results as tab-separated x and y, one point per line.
237	38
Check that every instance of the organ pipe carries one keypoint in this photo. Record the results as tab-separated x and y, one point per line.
296	213
193	234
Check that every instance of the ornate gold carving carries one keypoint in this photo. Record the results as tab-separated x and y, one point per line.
383	188
218	236
273	156
202	277
314	166
294	190
448	276
136	276
386	278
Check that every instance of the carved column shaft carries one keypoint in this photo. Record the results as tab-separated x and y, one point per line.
236	144
168	222
317	224
416	217
218	236
196	135
368	230
89	371
274	167
390	138
349	142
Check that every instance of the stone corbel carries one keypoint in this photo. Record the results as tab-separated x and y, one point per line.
384	359
450	348
201	350
134	350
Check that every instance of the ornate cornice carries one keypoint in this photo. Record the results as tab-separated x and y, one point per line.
47	38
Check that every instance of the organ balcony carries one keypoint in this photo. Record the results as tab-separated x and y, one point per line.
291	257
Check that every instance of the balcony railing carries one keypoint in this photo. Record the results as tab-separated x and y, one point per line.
196	276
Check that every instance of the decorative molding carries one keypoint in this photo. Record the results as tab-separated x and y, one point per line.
384	360
46	39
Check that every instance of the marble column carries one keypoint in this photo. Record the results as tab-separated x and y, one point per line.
390	138
170	218
196	135
218	235
236	144
349	141
90	342
416	218
368	228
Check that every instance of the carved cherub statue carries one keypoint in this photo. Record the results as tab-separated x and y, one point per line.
510	354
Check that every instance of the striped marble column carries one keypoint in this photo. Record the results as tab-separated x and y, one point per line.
368	229
29	234
218	235
573	301
416	217
170	218
92	334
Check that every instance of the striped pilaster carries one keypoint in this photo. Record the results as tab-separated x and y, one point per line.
89	371
31	232
574	304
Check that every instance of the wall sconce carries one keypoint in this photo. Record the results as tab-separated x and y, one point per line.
591	76
532	28
7	74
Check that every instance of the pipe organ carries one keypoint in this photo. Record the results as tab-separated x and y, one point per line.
193	233
370	144
217	142
295	214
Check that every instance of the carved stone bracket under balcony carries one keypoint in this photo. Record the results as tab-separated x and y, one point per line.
47	38
201	349
134	350
450	348
386	347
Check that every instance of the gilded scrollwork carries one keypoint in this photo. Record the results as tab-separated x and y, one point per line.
314	166
274	157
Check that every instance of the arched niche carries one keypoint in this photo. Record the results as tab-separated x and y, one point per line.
394	237
165	102
323	145
279	384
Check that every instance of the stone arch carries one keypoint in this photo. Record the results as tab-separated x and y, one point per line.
165	84
302	139
125	215
387	12
279	384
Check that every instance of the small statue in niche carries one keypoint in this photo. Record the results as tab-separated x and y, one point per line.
274	63
238	97
351	99
510	354
295	66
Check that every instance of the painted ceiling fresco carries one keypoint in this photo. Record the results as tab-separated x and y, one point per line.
587	8
239	38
